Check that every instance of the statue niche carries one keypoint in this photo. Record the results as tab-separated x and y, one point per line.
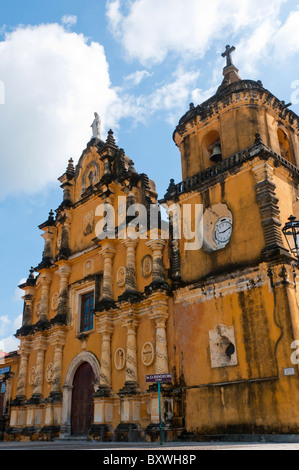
90	176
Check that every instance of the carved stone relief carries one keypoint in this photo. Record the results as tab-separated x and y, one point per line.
121	276
49	372
146	266
31	376
148	354
88	223
37	308
54	301
120	359
88	267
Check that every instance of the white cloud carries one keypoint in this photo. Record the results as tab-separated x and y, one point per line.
8	345
169	99
19	293
69	20
137	77
4	323
150	29
17	323
54	81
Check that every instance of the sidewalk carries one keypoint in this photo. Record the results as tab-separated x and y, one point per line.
75	444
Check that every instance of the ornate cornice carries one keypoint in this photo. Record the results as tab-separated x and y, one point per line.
241	91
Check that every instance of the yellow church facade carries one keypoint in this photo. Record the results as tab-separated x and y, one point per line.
210	297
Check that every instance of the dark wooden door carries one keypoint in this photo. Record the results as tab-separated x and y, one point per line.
82	402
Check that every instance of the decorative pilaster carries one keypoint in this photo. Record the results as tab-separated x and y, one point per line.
64	251
59	341
22	377
40	345
49	233
130	284
157	247
64	273
106	330
107	302
131	265
269	210
27	314
131	356
46	279
131	378
160	315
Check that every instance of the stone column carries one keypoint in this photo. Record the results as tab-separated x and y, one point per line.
108	253
27	314
41	346
161	346
48	236
59	341
64	251
131	354
46	279
160	315
157	247
106	329
22	378
131	285
64	273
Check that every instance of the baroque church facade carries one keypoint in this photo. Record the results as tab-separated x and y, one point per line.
102	313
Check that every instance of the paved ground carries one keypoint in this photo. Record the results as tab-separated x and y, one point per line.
146	447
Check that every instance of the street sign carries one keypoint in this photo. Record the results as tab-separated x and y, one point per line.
4	370
158	378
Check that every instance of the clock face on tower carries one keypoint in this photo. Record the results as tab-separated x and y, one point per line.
217	227
223	230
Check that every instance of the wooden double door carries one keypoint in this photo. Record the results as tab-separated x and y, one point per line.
82	401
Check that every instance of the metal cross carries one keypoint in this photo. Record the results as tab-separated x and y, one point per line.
227	54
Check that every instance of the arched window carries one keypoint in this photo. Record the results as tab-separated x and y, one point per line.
284	144
212	146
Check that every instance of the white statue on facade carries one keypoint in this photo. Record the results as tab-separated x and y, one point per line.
96	127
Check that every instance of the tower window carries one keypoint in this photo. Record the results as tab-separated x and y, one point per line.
284	144
212	146
87	308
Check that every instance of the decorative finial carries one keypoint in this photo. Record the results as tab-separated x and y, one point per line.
31	271
110	139
51	216
228	54
70	168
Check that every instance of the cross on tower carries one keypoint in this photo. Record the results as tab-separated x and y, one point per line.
227	54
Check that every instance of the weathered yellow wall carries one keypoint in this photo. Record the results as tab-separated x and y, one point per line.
263	338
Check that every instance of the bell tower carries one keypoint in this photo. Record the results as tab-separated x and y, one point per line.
235	282
240	157
228	122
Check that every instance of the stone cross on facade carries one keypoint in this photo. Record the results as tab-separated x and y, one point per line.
227	54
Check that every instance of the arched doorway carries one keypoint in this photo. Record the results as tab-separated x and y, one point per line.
82	402
82	358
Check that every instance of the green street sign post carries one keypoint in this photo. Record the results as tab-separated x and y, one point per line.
159	378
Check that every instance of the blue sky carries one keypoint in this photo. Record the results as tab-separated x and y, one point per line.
138	63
